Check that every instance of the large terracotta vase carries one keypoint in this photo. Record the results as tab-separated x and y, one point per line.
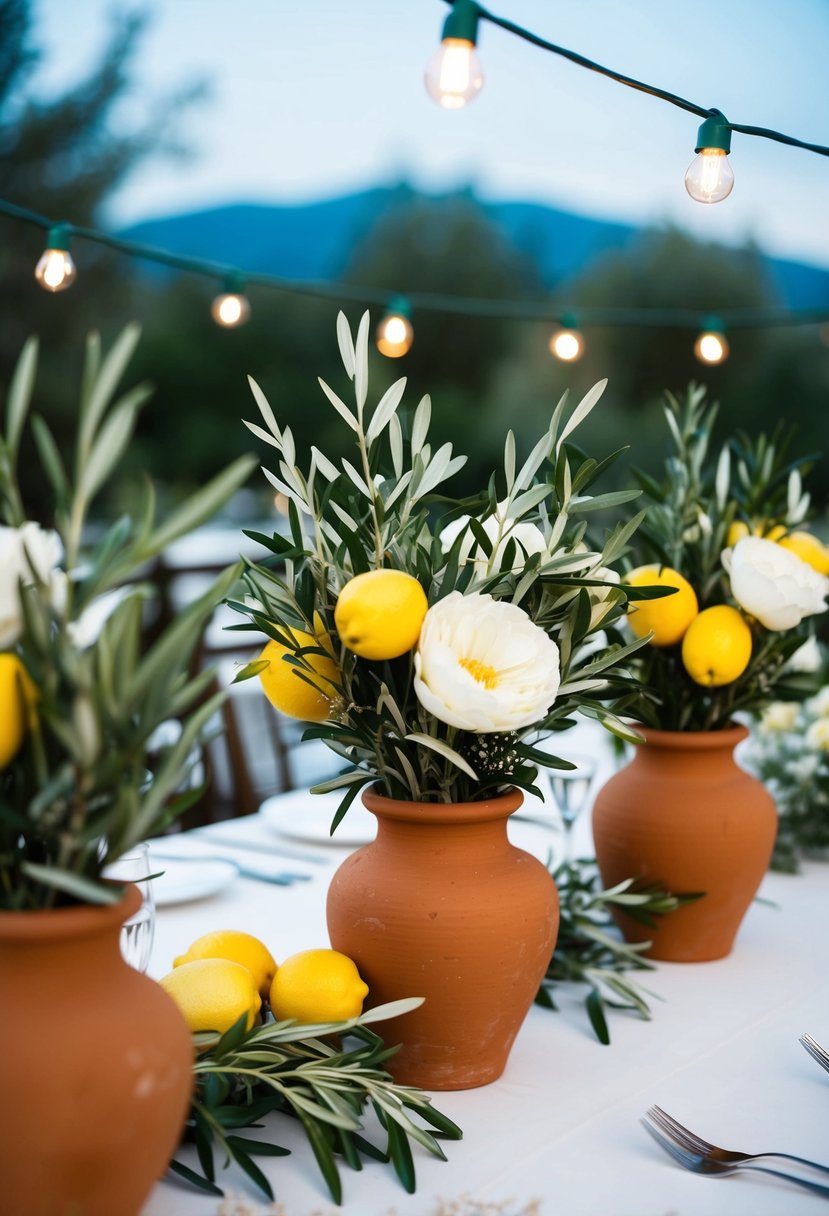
96	1066
684	814
442	906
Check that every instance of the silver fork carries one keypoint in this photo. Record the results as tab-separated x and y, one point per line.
700	1164
695	1144
815	1050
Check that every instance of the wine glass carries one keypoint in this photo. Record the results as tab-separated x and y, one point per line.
136	933
570	788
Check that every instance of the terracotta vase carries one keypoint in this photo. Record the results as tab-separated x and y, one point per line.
96	1066
684	814
442	906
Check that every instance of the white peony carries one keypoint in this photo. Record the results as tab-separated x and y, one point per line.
817	736
807	658
482	665
772	584
529	539
779	717
819	704
27	553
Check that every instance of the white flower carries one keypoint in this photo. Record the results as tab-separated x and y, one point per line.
819	704
817	736
804	768
86	629
482	665
772	584
27	553
529	539
778	717
807	658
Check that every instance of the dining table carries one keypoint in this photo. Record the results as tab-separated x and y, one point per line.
560	1132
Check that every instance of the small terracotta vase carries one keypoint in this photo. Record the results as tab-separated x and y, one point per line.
684	814
96	1067
442	906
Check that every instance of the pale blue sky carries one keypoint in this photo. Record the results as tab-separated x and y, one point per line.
313	99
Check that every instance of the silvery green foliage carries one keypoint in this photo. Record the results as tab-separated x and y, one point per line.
387	507
78	794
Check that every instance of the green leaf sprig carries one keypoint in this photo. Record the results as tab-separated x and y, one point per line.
328	1084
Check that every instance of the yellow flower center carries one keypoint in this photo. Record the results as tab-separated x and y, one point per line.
481	672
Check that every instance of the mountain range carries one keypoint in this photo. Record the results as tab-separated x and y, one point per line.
314	240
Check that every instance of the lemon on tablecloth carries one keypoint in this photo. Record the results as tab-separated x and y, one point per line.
317	986
236	947
213	993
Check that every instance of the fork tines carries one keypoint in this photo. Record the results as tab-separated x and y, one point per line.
815	1050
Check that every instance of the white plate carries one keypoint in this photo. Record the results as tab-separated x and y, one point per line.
303	816
182	881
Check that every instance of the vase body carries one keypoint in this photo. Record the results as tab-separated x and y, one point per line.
685	815
442	906
96	1067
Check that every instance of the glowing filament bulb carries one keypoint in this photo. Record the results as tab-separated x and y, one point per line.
453	75
567	345
55	270
711	347
394	335
230	309
710	178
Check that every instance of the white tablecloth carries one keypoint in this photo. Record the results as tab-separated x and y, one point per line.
562	1125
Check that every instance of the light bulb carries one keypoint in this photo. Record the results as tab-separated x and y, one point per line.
55	270
394	335
711	347
567	345
710	178
453	75
230	309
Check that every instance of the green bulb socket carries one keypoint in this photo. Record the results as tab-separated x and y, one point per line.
59	237
233	284
714	133
400	307
712	325
568	320
462	22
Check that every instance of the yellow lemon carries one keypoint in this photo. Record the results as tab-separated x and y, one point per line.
213	993
291	693
18	697
668	617
809	549
739	529
379	614
717	646
317	986
238	947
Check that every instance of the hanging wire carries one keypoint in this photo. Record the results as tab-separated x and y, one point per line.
651	89
473	306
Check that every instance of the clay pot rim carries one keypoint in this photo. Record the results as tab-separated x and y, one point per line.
693	740
501	806
69	922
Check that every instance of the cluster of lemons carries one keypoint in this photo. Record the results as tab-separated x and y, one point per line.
228	973
378	616
717	642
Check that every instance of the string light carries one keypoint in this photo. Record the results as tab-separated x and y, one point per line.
537	310
566	343
55	270
231	308
394	333
453	75
711	346
710	178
